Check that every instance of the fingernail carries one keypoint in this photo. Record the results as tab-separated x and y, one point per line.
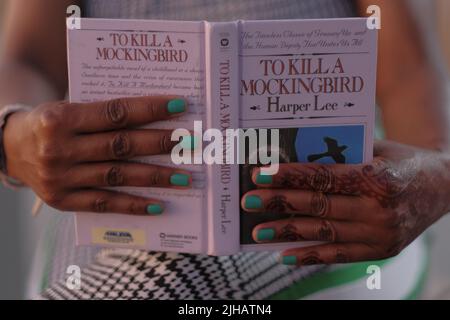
176	106
253	202
154	209
262	178
289	260
265	234
179	179
188	142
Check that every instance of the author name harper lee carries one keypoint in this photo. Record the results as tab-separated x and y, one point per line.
274	105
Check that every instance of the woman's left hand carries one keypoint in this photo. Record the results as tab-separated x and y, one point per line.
363	212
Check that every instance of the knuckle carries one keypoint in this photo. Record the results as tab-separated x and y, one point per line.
278	203
114	176
49	120
155	178
341	255
320	204
117	111
121	146
47	179
52	197
100	205
48	153
326	231
165	143
322	179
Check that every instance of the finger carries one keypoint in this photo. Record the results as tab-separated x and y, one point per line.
336	178
309	203
124	112
123	144
129	174
103	201
311	229
329	254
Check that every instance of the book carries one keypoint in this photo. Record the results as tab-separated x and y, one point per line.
310	81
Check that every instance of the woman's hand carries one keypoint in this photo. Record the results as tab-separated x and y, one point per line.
362	212
66	152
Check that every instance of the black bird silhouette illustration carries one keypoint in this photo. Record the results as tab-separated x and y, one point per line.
334	151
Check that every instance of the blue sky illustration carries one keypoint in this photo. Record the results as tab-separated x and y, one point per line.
309	141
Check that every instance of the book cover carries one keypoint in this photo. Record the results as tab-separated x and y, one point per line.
314	80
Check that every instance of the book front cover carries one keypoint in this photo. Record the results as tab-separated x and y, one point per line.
315	81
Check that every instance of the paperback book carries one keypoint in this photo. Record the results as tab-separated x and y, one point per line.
311	80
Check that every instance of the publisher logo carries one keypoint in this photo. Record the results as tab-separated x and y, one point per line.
224	42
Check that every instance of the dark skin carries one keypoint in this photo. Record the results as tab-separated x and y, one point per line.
363	212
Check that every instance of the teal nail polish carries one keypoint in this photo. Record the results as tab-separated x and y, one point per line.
154	209
253	202
265	234
289	260
176	106
179	179
188	142
262	178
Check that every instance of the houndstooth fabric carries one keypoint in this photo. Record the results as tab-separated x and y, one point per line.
134	274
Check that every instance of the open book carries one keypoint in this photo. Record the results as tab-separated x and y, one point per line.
312	79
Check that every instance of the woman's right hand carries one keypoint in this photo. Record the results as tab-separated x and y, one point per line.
67	152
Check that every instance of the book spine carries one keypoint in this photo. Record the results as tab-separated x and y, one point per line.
222	110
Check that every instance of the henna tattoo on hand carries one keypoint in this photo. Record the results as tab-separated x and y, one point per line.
310	258
409	185
289	233
279	204
376	180
320	204
326	232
